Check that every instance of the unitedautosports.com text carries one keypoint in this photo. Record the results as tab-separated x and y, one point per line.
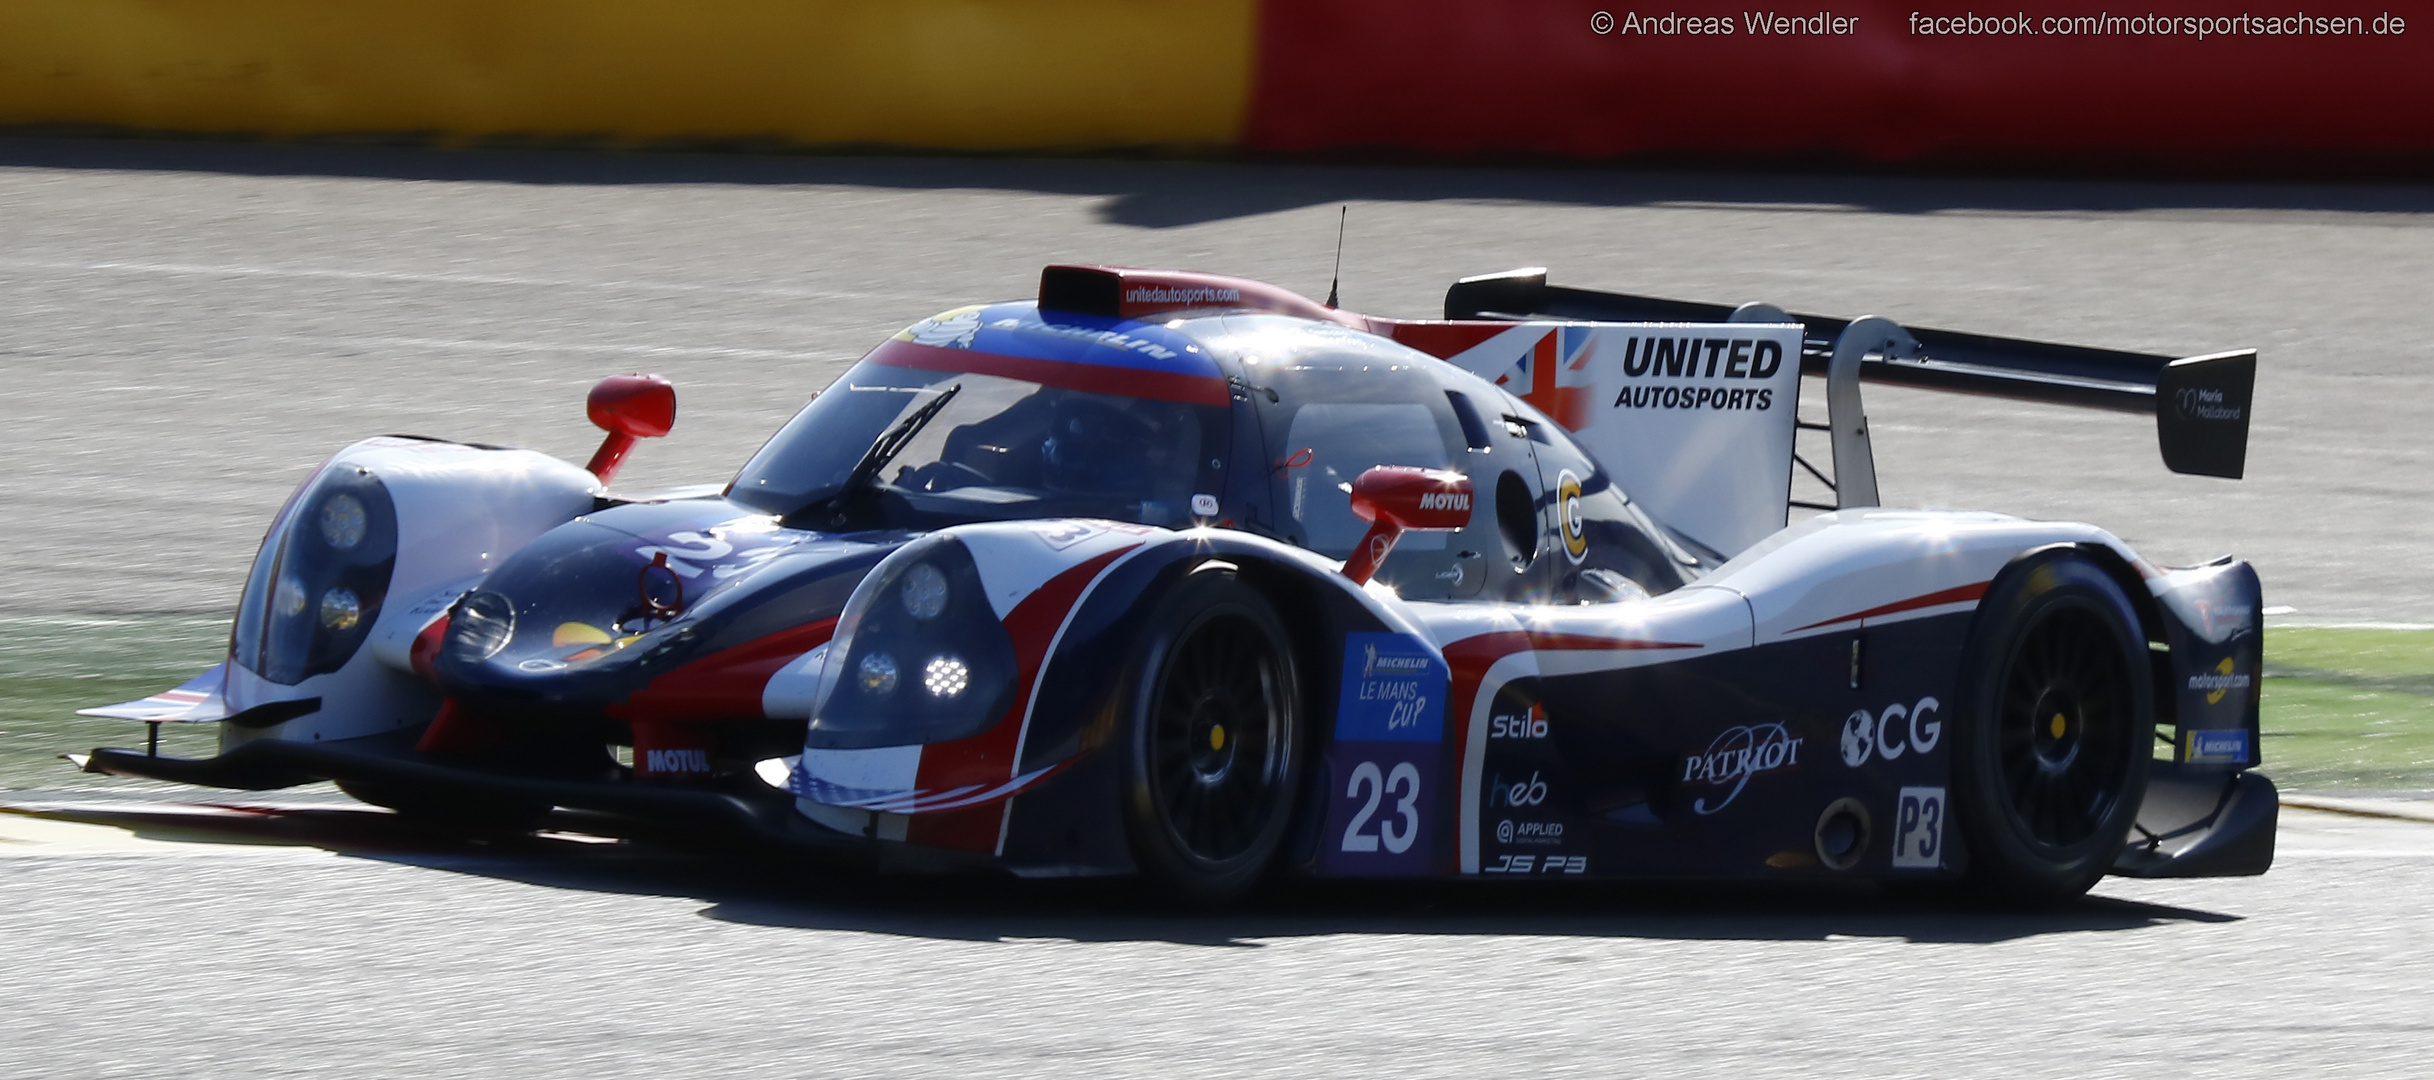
2200	27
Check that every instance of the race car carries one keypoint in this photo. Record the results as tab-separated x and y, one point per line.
1188	577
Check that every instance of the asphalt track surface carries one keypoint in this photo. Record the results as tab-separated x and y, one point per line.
186	329
165	940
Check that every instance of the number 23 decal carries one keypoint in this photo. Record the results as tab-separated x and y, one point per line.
1403	783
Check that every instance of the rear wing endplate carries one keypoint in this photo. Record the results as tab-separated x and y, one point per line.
2200	403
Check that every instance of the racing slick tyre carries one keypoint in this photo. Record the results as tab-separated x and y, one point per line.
2050	757
1213	742
454	812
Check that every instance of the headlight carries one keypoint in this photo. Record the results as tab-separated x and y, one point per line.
924	591
317	585
877	674
919	655
945	677
480	626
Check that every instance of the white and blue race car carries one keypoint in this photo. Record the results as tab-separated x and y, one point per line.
1189	577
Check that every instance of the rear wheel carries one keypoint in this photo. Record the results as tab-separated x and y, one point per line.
1213	742
2051	759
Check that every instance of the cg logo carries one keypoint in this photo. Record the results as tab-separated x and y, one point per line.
1504	831
1866	735
1567	509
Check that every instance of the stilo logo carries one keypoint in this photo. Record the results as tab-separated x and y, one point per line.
1444	500
1738	754
2223	680
2203	403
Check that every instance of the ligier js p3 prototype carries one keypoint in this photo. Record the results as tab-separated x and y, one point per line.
1189	577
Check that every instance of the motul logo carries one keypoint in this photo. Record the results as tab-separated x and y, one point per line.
676	761
1445	500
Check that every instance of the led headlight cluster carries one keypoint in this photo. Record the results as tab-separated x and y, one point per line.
318	582
919	655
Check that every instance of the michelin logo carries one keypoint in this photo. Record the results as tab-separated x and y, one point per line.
1372	665
2217	748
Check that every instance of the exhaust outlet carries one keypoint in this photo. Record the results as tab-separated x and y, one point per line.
1843	834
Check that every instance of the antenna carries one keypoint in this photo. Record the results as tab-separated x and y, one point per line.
1341	213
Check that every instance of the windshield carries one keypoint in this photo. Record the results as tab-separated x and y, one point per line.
1000	447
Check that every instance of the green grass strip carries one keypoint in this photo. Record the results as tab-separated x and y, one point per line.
2349	709
2345	709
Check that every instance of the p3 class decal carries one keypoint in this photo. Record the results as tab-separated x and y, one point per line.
1389	725
1918	829
1568	517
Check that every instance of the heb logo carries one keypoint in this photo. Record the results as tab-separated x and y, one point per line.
676	762
2217	748
1445	500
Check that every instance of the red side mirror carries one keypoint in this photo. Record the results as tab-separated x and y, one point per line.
628	407
1396	498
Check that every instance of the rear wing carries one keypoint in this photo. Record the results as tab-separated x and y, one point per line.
2200	403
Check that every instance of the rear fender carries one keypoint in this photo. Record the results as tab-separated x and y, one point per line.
2216	640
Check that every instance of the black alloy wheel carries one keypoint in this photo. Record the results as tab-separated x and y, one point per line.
1214	741
2051	763
2062	721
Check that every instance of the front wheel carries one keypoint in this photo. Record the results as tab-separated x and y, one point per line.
2051	757
1213	742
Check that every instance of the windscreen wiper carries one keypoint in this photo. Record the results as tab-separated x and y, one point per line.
876	458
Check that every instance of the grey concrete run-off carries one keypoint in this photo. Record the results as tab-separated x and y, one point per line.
186	329
432	961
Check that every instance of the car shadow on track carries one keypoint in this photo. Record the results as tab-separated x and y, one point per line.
579	853
1165	194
